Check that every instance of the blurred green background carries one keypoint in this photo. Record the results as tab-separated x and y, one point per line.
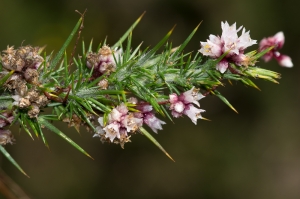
253	154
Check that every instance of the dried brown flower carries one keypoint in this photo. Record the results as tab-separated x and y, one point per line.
6	137
34	111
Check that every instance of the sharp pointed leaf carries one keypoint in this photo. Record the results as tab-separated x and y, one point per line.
128	32
60	53
8	156
152	139
61	134
3	80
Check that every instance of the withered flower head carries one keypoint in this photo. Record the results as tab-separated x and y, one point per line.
24	103
31	75
74	121
16	81
7	120
103	84
32	95
103	62
105	50
6	137
42	100
34	111
22	58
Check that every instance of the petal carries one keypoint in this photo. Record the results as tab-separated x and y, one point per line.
222	66
176	114
173	98
99	131
144	107
210	48
114	115
245	41
100	120
193	113
179	107
191	96
112	131
229	33
131	123
153	122
122	108
268	56
279	39
285	61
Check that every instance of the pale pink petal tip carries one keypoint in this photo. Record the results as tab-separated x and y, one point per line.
285	61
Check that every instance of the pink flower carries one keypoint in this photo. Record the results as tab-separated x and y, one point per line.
112	131
9	118
193	113
153	122
183	104
228	42
103	61
277	41
146	113
120	121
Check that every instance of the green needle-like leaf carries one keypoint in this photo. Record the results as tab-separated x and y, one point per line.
155	48
61	134
224	100
40	132
152	139
5	78
8	156
258	55
21	121
128	32
60	53
183	45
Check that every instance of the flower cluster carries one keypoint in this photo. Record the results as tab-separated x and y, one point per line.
276	42
148	116
102	62
183	104
228	43
25	60
26	63
31	100
120	123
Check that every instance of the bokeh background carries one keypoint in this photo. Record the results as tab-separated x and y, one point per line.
253	154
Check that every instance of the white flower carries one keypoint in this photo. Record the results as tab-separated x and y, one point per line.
153	122
212	47
229	42
148	117
131	123
193	113
112	131
192	96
